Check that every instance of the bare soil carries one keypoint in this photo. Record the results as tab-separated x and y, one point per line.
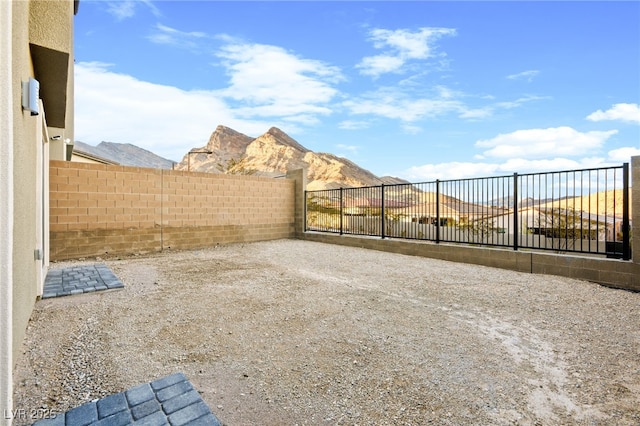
293	332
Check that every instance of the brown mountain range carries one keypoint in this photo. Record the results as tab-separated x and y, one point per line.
273	154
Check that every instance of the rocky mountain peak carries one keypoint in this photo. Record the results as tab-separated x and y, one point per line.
282	138
273	154
225	140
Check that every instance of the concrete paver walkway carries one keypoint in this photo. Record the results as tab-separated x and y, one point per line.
78	280
171	400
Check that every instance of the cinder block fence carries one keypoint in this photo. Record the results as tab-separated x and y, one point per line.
96	210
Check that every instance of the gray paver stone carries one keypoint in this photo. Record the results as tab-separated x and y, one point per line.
139	394
112	404
173	391
156	419
181	401
208	420
82	415
145	409
189	413
123	418
77	280
168	381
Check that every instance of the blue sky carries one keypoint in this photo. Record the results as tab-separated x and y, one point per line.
418	90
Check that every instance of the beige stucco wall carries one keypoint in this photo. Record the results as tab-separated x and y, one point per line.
51	27
51	24
25	153
6	208
24	158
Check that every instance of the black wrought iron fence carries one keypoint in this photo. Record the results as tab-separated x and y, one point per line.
584	211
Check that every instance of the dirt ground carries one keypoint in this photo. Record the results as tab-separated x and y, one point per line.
293	332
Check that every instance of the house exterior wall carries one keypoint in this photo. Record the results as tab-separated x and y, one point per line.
24	163
51	27
25	197
6	206
98	210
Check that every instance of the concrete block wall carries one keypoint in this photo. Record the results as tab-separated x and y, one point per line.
98	210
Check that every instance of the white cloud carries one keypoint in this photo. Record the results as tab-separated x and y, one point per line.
542	143
409	106
400	46
124	9
489	110
453	170
618	112
166	120
354	125
526	151
463	170
380	64
269	81
522	165
524	75
623	155
476	113
393	103
520	101
171	36
268	86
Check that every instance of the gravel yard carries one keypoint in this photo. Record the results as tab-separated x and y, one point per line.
292	332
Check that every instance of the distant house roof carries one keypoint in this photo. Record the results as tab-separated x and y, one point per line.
80	156
549	212
365	202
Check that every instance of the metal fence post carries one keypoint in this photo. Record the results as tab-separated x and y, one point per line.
626	246
516	225
304	211
437	211
382	210
341	211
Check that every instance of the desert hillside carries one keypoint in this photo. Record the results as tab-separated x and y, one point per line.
273	154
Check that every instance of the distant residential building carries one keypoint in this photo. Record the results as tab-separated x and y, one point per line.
79	156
